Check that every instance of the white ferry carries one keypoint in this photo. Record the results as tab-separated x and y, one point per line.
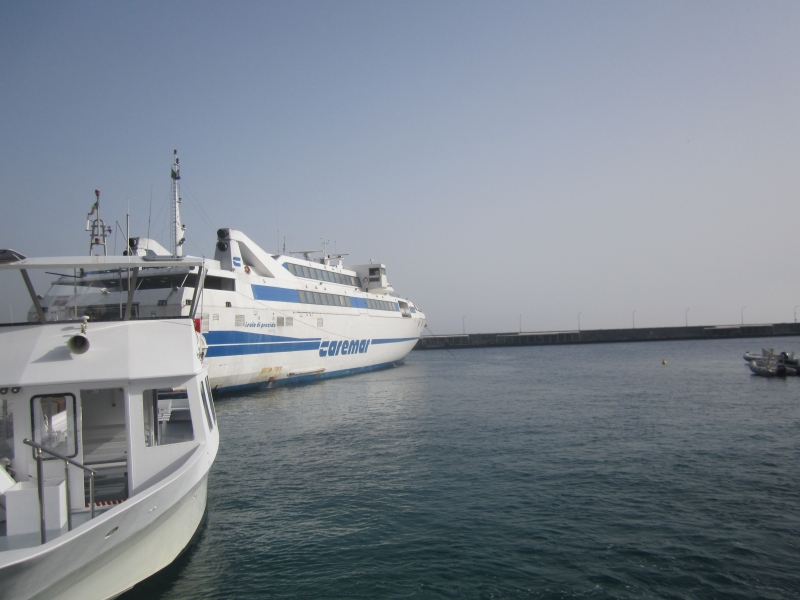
107	435
268	319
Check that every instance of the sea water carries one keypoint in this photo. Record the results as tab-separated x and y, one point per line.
535	472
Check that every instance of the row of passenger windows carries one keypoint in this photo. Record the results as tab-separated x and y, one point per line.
153	282
381	305
325	299
320	274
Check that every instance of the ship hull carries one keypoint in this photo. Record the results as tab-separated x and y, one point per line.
118	549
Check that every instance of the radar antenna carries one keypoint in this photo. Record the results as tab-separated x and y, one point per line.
306	253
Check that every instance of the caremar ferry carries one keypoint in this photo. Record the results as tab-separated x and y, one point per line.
268	319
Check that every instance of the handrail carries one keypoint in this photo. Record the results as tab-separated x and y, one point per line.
57	455
40	476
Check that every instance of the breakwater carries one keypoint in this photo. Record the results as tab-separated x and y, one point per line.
605	336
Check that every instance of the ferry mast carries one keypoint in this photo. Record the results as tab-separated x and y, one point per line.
97	228
178	229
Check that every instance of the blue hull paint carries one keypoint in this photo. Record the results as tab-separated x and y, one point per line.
301	379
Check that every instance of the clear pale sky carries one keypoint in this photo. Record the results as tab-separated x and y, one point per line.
501	158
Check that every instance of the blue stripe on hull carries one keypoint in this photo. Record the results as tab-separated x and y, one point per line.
276	294
249	337
241	349
300	379
240	343
393	340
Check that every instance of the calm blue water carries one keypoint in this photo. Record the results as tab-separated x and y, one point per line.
561	472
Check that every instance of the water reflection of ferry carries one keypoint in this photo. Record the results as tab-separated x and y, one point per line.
268	319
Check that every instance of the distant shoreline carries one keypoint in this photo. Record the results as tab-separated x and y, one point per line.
605	336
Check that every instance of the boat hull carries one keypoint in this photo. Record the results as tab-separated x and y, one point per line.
112	553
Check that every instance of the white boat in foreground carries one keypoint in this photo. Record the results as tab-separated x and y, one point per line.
107	435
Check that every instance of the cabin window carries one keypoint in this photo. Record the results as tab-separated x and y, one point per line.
53	420
206	408
204	323
219	283
289	321
319	321
6	429
238	321
280	322
167	418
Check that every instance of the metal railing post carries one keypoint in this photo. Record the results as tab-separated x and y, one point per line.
38	448
40	477
69	504
91	495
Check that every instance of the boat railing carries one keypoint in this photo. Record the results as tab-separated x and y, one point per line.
39	449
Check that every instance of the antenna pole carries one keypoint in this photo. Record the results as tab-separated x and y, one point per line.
96	228
178	229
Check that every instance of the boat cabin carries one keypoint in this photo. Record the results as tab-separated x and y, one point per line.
92	414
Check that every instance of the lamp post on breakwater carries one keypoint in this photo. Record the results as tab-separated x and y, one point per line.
463	326
795	312
579	321
742	313
633	319
686	315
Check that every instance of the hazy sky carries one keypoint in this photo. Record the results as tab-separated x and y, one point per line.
502	158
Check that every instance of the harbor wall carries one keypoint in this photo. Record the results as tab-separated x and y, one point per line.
605	336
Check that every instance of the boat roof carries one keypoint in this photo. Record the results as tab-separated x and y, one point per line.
37	354
101	262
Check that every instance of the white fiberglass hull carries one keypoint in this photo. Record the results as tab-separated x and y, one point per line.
112	553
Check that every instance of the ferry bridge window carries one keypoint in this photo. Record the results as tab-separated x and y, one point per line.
167	418
320	274
53	417
381	305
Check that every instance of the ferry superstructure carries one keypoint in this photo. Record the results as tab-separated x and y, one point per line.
268	319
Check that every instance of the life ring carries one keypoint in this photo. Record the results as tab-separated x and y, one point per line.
365	280
247	269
